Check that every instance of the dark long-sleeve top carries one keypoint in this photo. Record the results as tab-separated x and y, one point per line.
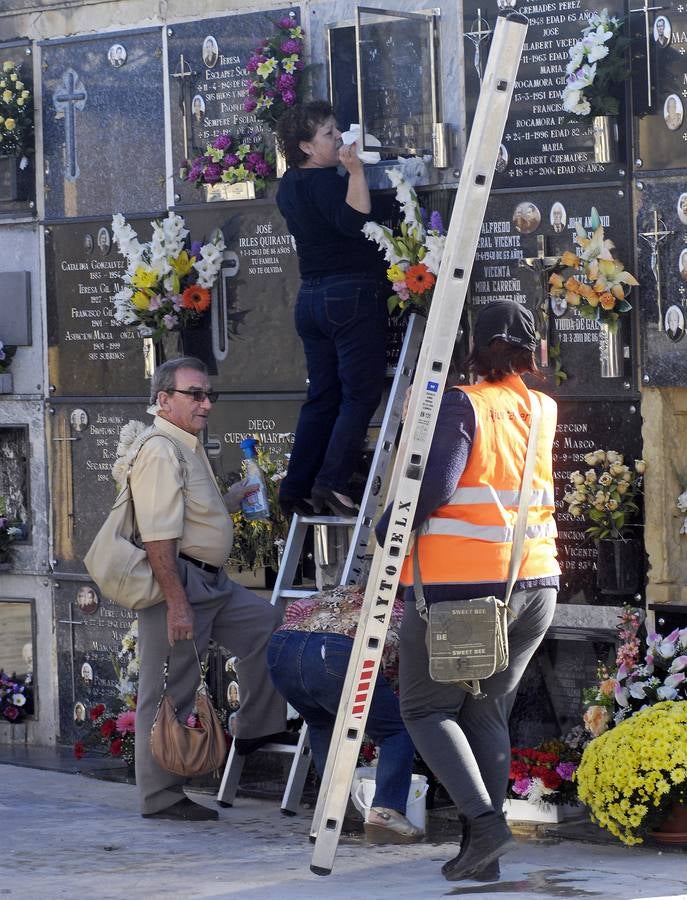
327	231
448	456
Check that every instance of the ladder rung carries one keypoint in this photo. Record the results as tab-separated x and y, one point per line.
295	594
278	748
328	520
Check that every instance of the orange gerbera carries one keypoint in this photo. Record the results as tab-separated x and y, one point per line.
196	298
419	279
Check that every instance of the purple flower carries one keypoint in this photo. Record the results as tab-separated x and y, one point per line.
213	173
253	63
3	522
222	142
170	322
195	248
300	64
291	46
565	770
249	104
435	222
262	168
195	172
253	89
289	97
285	81
286	22
521	786
231	159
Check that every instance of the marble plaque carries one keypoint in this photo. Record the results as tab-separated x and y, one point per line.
660	125
89	353
507	267
549	700
207	74
255	344
542	143
583	427
662	314
103	124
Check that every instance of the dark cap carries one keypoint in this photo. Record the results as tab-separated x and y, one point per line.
505	319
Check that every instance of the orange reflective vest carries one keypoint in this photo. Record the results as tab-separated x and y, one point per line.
468	540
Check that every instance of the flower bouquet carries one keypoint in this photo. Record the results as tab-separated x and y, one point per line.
414	255
8	533
593	282
598	68
606	493
16	114
631	776
543	774
260	542
167	286
16	699
229	160
113	733
275	68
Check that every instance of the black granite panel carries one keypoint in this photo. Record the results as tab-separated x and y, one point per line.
89	352
103	123
271	420
256	345
662	330
506	267
661	124
207	60
583	427
542	142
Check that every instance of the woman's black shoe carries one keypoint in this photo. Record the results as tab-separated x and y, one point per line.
324	498
298	506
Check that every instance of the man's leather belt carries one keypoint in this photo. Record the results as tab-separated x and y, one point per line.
206	567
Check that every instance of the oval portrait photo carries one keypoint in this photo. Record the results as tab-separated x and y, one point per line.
673	112
526	217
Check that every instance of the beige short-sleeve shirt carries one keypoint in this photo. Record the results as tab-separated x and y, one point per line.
199	521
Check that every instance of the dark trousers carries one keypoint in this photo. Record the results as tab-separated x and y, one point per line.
309	671
342	321
463	740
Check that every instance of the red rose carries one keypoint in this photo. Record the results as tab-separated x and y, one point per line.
108	728
539	771
97	711
518	770
79	749
551	779
116	748
11	713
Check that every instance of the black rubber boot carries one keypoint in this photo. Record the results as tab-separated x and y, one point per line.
489	873
488	838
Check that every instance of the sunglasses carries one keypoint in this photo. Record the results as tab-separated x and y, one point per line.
198	395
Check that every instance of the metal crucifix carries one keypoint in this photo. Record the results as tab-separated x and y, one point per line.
541	265
646	9
653	239
480	32
184	71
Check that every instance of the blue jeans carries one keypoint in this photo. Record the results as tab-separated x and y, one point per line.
309	669
343	322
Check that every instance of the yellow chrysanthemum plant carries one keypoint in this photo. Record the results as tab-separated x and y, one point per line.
631	777
16	114
592	280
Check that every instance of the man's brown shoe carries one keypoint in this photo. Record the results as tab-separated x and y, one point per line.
184	810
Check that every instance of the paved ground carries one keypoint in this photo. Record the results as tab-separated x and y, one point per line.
70	836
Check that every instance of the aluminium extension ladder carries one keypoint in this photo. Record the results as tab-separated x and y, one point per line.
355	566
418	429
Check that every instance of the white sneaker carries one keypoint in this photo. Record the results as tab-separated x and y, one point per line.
387	826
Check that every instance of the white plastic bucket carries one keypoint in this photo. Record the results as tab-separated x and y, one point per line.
363	791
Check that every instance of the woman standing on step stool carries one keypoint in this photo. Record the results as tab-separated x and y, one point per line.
341	314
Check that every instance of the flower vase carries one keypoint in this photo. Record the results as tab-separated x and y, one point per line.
15	182
619	566
610	351
605	133
157	352
674	829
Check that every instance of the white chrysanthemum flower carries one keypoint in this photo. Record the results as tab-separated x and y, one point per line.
537	791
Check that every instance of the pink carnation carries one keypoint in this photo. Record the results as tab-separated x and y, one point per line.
126	722
522	786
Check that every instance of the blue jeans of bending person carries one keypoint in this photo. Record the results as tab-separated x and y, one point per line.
343	322
309	669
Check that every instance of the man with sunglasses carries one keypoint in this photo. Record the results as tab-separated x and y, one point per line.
185	526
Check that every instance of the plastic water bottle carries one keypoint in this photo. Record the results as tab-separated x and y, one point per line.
254	505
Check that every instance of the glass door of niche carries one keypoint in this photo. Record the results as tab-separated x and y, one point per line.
384	75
